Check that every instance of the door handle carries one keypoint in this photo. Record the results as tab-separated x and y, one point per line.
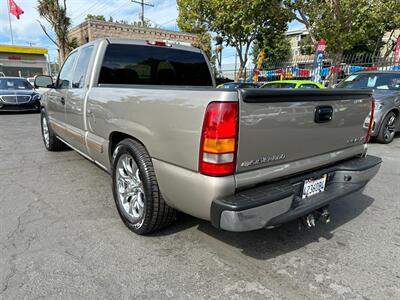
62	100
323	114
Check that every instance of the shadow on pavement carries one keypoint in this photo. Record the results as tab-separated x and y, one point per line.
265	244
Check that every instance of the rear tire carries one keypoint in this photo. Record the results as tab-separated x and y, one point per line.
135	189
388	128
51	142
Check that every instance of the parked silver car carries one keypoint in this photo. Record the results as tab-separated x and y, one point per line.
386	86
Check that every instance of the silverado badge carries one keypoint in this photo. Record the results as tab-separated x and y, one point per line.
263	160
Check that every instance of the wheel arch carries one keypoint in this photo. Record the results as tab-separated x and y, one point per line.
395	110
116	137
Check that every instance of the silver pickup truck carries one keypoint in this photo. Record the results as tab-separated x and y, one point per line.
149	114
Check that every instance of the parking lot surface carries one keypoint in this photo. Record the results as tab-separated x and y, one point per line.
61	238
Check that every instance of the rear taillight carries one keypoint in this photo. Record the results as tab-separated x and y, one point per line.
371	122
219	139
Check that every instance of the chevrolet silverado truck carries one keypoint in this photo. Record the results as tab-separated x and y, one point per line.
149	114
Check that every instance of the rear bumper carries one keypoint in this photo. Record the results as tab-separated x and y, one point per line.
280	202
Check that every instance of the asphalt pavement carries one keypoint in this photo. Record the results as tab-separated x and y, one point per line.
61	238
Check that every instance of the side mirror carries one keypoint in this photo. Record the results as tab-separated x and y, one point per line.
43	81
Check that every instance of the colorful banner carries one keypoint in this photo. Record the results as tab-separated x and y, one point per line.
397	52
318	60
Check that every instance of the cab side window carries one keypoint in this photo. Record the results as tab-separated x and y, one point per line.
81	67
65	75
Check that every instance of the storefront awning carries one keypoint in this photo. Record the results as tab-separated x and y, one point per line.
23	49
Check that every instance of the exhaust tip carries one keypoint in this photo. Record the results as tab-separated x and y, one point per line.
322	215
309	220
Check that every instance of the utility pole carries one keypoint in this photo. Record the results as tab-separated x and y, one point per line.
143	4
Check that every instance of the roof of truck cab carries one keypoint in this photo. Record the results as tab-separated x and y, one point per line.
113	40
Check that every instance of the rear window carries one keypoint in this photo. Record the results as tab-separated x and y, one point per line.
150	65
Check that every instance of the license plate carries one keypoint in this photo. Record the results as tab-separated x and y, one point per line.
314	186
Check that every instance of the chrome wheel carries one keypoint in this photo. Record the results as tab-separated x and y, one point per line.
45	131
130	187
390	128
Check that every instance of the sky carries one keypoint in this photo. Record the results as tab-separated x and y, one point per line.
27	30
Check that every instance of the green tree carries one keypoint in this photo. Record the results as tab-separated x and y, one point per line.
203	40
347	25
240	23
56	14
277	48
95	18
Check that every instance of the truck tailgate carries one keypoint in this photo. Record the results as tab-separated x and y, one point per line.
281	126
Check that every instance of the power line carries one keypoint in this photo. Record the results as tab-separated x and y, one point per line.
90	8
79	11
169	21
118	8
100	8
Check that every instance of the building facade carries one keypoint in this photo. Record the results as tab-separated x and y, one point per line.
92	30
22	61
295	37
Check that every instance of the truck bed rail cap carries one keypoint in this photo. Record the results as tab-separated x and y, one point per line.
296	95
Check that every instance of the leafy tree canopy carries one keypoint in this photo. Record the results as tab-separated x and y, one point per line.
347	25
240	23
55	13
277	49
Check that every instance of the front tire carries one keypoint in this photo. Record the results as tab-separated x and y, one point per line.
135	189
388	128
51	142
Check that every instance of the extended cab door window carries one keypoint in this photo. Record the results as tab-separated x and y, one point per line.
65	75
81	67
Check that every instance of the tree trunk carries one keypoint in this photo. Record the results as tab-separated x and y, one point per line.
63	51
241	64
242	60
